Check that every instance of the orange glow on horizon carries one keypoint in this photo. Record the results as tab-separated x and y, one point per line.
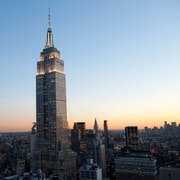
122	123
15	128
113	123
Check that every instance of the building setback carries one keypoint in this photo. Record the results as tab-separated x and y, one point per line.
52	154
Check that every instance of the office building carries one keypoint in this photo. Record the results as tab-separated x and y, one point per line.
78	137
78	143
136	165
52	154
95	149
132	139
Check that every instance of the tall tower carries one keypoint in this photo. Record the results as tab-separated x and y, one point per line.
52	153
106	136
95	148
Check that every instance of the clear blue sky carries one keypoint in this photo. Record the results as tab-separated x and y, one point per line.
122	60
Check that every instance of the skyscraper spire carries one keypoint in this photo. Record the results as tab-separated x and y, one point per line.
49	40
96	129
95	125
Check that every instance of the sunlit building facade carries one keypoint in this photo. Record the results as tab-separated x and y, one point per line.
52	154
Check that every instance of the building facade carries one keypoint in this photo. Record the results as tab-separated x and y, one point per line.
78	143
52	153
132	139
90	171
136	166
78	137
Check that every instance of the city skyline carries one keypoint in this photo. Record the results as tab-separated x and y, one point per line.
121	60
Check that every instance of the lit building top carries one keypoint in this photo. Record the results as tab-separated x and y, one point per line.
50	58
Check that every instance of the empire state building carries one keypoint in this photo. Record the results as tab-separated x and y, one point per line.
52	154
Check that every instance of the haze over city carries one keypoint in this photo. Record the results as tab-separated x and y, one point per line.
121	60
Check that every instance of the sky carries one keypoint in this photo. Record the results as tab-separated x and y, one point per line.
122	60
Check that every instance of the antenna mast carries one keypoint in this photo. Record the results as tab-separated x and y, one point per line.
49	19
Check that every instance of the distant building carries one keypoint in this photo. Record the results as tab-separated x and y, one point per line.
90	171
52	154
136	166
78	137
78	143
132	139
95	149
106	135
169	173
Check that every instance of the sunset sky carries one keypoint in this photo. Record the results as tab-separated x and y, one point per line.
122	60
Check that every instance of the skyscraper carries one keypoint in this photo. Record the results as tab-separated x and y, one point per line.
78	137
52	154
78	141
95	148
106	136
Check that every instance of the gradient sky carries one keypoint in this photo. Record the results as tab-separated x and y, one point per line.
122	60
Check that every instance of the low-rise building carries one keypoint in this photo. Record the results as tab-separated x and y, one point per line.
141	166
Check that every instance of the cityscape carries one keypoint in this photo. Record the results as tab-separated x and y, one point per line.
52	150
146	154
